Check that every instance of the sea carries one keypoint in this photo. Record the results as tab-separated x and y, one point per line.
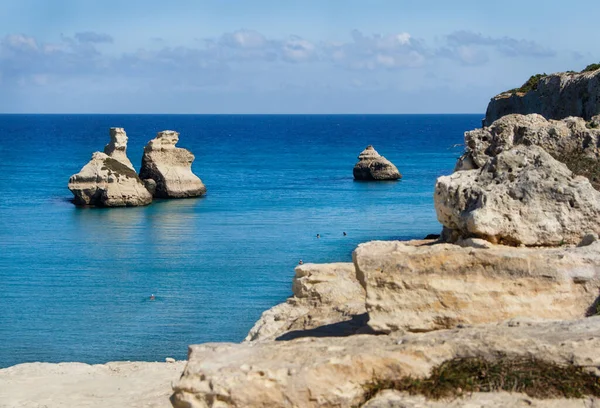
75	283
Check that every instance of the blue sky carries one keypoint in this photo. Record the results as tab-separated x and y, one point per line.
379	56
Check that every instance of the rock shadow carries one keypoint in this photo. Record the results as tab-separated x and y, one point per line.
594	309
356	325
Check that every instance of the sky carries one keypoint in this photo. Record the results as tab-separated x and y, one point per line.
277	56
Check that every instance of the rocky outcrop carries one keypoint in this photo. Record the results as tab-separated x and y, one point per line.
334	372
556	96
169	168
117	148
560	138
522	196
107	182
327	301
420	286
373	166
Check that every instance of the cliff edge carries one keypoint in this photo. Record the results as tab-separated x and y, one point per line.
555	96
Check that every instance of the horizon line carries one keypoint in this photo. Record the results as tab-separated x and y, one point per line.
241	114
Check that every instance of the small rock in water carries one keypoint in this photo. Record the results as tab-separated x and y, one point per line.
373	166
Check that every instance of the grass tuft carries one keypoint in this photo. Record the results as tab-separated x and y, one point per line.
581	165
536	378
531	84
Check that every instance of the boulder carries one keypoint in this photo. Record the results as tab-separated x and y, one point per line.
170	168
522	196
117	148
327	301
335	372
572	141
373	166
555	96
107	182
420	286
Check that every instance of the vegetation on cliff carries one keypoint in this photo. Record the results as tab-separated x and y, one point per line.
536	378
531	84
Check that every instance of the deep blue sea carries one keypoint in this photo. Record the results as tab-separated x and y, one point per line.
75	283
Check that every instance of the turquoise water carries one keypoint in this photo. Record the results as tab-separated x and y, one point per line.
75	283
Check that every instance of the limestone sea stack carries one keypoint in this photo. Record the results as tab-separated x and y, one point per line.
555	96
117	148
167	170
372	166
107	182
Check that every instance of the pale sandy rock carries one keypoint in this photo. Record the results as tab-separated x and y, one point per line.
395	399
107	182
372	166
327	300
117	147
557	96
170	167
332	372
521	196
557	137
419	287
119	384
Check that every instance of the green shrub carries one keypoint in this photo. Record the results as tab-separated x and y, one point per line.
531	84
591	67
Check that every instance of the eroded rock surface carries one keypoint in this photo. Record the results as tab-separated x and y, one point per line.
372	166
332	372
421	286
394	399
521	196
557	96
117	147
328	300
107	182
170	168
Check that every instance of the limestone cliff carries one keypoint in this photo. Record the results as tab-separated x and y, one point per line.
555	96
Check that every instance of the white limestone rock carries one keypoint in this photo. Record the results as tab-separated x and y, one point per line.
570	136
372	166
327	300
107	182
522	196
117	148
420	286
170	168
333	372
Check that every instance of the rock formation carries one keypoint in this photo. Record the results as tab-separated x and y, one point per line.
328	300
107	182
167	170
522	196
554	96
117	148
419	286
562	138
334	372
373	166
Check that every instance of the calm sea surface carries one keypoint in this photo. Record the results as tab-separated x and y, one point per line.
75	283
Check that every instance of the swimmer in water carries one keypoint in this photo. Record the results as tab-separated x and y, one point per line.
318	235
300	262
344	233
152	297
